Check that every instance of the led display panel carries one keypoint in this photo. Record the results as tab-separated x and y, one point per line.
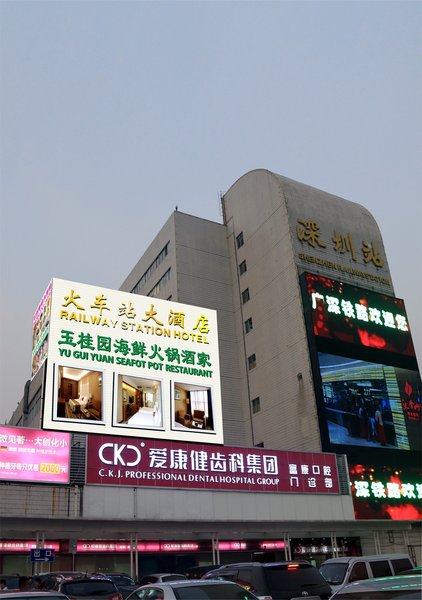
353	315
386	492
369	404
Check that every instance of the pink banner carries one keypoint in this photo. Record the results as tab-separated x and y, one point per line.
34	455
156	463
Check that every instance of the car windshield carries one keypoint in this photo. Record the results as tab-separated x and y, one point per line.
219	591
292	577
334	573
95	587
174	577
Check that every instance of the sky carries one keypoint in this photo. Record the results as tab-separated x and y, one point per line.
113	113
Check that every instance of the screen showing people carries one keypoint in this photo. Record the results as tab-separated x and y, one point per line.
370	404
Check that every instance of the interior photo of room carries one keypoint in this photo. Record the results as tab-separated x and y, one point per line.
192	407
79	394
139	402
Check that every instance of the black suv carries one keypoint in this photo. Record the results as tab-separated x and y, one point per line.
280	580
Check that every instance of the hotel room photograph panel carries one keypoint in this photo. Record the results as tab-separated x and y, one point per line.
139	402
79	394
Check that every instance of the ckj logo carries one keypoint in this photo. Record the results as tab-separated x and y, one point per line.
125	455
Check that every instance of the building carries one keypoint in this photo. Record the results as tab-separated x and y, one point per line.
312	343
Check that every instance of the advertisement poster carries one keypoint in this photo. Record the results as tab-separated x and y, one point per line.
121	363
32	455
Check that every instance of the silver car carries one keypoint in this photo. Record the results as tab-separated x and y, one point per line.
193	589
399	587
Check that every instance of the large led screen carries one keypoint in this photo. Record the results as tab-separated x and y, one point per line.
353	315
121	363
369	404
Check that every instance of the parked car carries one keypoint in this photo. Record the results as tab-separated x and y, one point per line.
197	589
279	580
161	577
341	571
90	588
32	595
199	571
51	580
124	583
12	581
398	587
414	571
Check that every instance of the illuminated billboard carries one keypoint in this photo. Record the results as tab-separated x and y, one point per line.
121	363
353	315
33	455
369	404
386	492
170	464
40	327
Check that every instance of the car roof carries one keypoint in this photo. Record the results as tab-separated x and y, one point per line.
32	594
404	582
190	583
342	559
159	575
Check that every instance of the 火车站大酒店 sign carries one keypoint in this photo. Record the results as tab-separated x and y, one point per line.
123	363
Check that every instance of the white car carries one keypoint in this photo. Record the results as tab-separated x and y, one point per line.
193	589
161	577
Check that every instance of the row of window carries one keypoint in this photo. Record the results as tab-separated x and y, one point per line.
153	267
256	402
155	292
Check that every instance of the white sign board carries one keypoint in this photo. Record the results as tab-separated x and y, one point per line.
124	364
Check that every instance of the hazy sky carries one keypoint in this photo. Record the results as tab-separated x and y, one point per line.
113	113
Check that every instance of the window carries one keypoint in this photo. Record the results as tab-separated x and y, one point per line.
248	325
245	296
256	405
401	564
153	266
242	267
358	572
159	286
239	240
251	361
380	568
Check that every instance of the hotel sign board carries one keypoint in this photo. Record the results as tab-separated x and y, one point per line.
121	363
155	463
34	455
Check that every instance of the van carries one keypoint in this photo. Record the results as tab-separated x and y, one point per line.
284	580
341	571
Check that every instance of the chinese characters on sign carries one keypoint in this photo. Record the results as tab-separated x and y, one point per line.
386	492
120	461
354	315
121	361
308	231
34	455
